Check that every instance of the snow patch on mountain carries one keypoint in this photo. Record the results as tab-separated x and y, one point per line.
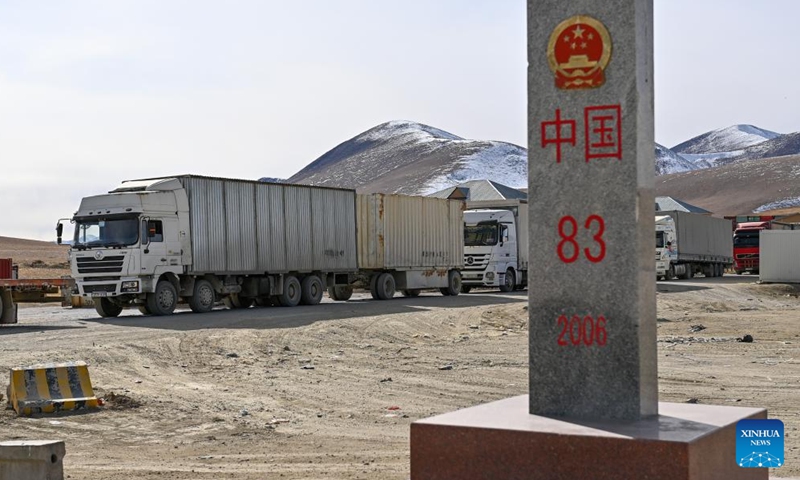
784	203
501	162
710	160
407	130
668	162
735	137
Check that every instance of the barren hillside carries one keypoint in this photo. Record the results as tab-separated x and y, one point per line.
738	188
35	259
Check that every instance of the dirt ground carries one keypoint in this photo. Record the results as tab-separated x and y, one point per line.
329	392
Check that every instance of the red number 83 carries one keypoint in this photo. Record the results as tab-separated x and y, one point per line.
568	231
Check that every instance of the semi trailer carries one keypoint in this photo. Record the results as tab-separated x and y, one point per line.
153	243
14	290
495	245
691	243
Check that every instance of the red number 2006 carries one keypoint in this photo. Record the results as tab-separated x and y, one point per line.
582	331
568	231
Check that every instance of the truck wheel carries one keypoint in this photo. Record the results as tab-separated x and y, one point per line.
202	300
510	281
163	300
385	286
291	292
340	293
410	293
453	287
738	272
106	309
670	273
144	310
373	286
311	290
688	273
465	288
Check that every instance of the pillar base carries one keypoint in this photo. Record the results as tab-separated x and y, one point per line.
501	440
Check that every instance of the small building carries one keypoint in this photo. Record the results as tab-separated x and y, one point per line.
480	190
670	204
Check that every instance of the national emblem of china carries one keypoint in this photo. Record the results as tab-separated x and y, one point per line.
578	52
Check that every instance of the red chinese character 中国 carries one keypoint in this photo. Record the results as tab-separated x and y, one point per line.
563	131
603	130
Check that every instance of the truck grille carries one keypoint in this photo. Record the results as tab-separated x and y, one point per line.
476	261
746	255
111	264
99	288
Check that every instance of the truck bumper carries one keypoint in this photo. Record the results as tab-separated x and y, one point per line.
104	288
480	279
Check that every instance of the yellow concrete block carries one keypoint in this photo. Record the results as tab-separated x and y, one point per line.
50	388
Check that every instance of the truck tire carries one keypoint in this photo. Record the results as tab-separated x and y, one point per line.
385	286
291	292
465	288
688	273
453	287
164	300
203	298
105	308
410	293
510	281
373	286
670	275
311	290
340	294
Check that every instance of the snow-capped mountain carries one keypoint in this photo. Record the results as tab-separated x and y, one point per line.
411	158
730	139
667	161
779	146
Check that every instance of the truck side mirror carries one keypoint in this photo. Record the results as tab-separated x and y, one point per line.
145	236
59	232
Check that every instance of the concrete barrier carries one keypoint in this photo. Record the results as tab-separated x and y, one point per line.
51	387
32	460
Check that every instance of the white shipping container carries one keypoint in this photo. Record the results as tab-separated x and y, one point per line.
779	252
248	227
403	232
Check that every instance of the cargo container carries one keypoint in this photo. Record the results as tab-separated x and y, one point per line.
780	256
154	242
691	243
495	245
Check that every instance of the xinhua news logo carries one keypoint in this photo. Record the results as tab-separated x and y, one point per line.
759	443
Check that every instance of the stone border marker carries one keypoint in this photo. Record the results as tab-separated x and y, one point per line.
593	408
592	209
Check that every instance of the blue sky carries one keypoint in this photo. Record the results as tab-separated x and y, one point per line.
94	92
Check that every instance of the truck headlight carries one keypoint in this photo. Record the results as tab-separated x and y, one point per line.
489	275
130	287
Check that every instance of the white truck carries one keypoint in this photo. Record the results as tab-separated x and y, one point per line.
692	243
155	242
495	245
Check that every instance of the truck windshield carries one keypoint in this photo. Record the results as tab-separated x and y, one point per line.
746	239
480	235
106	232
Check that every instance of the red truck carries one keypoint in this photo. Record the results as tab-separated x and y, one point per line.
14	290
746	246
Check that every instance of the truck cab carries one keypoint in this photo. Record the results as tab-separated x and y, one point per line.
129	239
746	246
491	250
666	248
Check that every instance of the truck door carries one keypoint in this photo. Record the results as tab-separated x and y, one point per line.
163	250
509	238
